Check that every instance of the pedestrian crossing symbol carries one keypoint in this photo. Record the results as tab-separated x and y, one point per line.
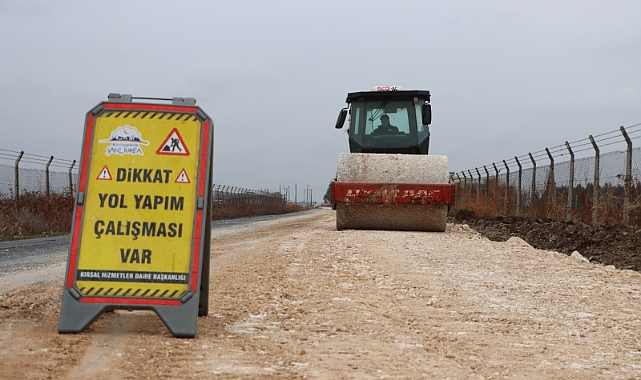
182	177
173	145
104	174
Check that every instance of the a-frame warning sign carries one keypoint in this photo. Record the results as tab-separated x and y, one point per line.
141	226
173	145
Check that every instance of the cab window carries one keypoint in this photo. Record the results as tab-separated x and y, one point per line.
397	112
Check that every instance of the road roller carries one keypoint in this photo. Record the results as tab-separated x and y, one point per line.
388	181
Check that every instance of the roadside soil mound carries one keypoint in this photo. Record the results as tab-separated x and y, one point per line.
612	245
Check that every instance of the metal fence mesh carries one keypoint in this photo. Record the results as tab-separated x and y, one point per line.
610	196
34	180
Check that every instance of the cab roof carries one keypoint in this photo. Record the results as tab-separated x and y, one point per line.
388	95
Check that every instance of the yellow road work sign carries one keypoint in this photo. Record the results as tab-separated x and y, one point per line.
142	213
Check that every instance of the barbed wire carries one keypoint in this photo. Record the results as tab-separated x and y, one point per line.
578	146
36	159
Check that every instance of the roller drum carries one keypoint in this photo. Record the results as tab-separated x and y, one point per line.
392	168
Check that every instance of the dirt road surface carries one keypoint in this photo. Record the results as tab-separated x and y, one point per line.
296	299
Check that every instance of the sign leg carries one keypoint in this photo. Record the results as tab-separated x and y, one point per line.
76	317
203	307
181	321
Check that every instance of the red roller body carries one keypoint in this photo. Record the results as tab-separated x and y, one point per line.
392	193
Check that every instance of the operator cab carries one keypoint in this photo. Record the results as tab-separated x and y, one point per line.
388	120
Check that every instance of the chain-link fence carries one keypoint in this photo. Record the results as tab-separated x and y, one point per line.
229	201
23	172
605	187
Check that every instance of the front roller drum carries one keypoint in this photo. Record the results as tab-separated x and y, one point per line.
401	217
385	206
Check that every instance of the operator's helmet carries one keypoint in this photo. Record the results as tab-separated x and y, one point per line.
384	117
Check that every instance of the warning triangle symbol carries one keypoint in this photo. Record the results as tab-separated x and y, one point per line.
104	174
173	145
182	177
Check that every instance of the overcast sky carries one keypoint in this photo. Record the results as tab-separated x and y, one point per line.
506	77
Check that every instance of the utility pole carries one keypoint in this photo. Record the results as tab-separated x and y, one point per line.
295	193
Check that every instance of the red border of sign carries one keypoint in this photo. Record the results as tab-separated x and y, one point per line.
73	254
150	107
199	214
82	185
128	301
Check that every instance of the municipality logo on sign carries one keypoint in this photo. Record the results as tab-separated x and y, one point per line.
125	140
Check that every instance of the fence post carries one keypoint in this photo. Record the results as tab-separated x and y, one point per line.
596	190
478	190
47	176
518	190
628	178
507	188
551	185
71	177
17	178
487	182
568	215
458	189
472	182
496	186
464	181
533	196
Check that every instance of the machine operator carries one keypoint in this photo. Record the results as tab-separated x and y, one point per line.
385	128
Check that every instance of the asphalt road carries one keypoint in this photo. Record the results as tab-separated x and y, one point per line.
28	254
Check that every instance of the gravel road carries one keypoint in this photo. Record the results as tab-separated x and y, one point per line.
294	298
43	260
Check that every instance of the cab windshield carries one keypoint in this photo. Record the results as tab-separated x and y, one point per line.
380	124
